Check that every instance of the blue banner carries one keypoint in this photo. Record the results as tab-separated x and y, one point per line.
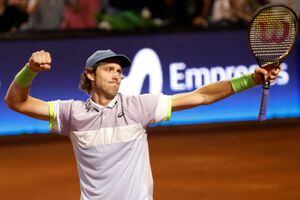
162	63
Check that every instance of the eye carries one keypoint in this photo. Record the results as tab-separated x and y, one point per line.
109	69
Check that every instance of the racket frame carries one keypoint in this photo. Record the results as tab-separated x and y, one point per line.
269	5
266	86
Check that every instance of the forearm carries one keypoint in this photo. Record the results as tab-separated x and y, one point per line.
213	92
18	91
202	96
222	89
19	100
16	95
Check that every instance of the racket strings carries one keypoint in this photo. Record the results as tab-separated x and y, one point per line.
272	34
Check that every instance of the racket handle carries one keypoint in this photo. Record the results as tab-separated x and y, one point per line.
262	116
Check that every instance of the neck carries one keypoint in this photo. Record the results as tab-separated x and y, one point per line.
101	99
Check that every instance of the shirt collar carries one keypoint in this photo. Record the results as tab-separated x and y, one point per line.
92	104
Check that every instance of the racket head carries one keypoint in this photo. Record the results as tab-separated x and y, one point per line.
272	33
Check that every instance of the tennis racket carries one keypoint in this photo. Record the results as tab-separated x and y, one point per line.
272	34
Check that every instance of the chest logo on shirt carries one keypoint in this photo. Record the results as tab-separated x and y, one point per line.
120	114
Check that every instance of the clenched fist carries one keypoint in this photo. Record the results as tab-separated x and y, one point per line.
40	61
266	73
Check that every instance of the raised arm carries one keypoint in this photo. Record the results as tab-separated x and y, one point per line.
18	98
216	91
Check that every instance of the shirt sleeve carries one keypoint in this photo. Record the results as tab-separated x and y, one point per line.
163	109
155	108
60	115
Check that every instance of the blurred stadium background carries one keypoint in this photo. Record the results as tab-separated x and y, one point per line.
218	151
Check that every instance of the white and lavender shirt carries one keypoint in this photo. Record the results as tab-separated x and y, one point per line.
110	143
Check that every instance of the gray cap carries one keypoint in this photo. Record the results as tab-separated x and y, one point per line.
101	55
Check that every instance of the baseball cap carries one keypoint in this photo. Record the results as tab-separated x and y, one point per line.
101	55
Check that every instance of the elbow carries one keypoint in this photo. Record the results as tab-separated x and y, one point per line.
7	101
206	99
11	104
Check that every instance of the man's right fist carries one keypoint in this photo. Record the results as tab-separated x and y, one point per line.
40	61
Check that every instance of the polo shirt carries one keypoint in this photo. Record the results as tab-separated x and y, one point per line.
110	143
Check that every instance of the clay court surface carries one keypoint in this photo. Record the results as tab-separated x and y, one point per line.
241	161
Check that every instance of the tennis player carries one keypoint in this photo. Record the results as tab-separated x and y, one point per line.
108	130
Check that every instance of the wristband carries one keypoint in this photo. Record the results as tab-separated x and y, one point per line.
242	83
25	77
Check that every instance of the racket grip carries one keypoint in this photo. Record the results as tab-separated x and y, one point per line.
262	116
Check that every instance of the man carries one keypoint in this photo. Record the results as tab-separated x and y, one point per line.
108	130
44	15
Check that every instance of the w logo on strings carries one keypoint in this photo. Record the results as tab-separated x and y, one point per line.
277	33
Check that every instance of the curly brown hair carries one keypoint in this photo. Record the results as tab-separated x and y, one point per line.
85	83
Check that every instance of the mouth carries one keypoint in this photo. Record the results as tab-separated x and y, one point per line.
114	83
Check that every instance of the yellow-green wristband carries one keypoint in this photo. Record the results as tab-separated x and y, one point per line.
51	114
25	77
169	109
242	83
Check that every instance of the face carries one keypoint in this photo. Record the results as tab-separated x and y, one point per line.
106	79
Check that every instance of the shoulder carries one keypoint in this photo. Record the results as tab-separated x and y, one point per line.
141	101
141	96
70	104
133	99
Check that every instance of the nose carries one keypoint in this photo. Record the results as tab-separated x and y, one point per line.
116	75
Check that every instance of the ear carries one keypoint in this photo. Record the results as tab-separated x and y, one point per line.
90	75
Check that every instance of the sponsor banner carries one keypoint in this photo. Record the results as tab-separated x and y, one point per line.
161	63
